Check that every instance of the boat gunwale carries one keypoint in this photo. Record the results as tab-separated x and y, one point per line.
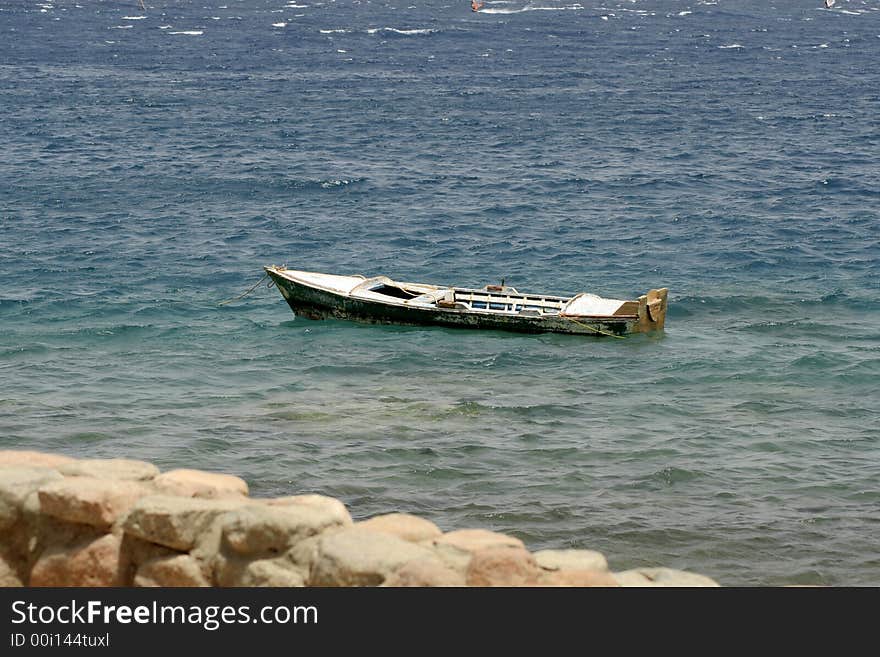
467	310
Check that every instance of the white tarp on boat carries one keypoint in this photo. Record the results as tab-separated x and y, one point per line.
591	304
333	283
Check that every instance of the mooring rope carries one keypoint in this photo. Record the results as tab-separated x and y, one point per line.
592	328
240	296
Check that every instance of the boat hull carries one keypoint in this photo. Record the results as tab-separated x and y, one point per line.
315	303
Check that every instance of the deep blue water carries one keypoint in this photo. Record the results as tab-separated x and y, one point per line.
153	161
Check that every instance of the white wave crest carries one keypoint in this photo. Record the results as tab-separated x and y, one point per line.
329	184
505	10
396	31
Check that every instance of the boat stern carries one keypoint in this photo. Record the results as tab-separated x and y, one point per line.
652	310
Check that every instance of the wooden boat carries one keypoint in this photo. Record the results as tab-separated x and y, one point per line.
384	301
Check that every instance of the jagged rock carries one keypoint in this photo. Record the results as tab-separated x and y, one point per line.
178	570
110	469
571	560
503	566
175	522
196	483
321	502
578	578
28	458
662	577
359	557
16	483
403	525
425	572
97	502
92	563
273	529
473	540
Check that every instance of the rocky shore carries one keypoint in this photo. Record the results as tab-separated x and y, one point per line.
120	522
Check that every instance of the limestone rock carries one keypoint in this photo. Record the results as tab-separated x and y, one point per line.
40	534
16	483
97	502
571	560
578	578
403	525
321	502
266	572
28	458
503	566
196	483
425	572
453	557
359	557
305	553
175	522
9	574
273	529
134	553
110	469
174	571
261	572
473	540
662	577
93	563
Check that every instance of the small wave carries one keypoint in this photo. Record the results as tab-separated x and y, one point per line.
333	31
189	32
279	24
504	10
133	18
732	45
329	184
122	27
404	32
670	476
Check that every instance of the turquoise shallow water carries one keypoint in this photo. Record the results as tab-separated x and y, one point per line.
153	162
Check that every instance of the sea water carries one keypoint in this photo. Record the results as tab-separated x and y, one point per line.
154	161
